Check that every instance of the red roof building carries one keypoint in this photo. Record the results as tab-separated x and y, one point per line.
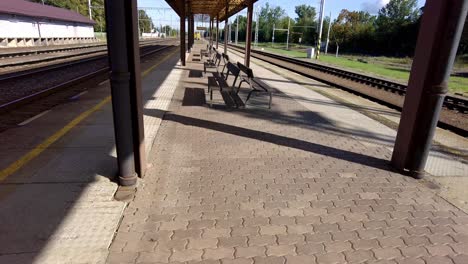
30	9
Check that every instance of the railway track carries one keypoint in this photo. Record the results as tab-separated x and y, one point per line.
453	116
21	52
145	51
39	56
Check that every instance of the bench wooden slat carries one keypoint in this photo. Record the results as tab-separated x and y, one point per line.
238	101
228	99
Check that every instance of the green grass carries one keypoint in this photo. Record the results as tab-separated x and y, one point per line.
397	69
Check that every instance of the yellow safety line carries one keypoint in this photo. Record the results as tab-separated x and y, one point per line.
18	164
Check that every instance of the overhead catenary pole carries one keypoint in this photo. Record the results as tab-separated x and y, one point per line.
273	36
256	28
319	42
89	9
328	35
439	36
287	37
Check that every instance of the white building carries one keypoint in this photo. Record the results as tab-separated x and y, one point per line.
24	23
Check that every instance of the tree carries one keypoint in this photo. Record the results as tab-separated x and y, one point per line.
145	22
398	13
463	49
81	7
306	23
397	27
269	16
353	31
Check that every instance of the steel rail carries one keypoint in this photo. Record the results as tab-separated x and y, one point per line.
451	102
46	68
58	49
68	83
99	49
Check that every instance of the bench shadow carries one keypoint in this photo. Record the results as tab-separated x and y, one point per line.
280	140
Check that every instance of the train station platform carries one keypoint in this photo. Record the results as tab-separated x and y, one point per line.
306	181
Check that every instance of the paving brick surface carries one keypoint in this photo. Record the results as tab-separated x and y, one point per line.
261	185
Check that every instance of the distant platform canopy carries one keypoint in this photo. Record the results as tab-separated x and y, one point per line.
213	8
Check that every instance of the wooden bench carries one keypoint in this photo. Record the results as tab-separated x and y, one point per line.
205	52
257	85
225	60
220	80
212	63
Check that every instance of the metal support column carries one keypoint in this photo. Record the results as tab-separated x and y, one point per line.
183	48
226	24
248	36
217	32
189	31
440	32
211	32
124	78
192	31
237	29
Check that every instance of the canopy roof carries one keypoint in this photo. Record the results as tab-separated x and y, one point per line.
213	8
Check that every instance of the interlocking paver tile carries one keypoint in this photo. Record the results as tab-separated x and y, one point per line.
250	252
459	259
202	243
219	253
152	257
281	250
285	185
239	241
359	256
262	240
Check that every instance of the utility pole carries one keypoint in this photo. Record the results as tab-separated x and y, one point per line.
319	43
89	9
237	28
273	37
328	35
287	37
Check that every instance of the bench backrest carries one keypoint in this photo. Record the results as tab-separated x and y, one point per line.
217	59
232	69
246	70
226	60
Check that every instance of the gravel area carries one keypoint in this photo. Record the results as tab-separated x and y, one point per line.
18	88
452	118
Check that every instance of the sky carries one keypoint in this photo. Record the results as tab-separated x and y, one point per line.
165	16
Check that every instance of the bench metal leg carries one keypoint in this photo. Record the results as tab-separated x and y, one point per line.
238	88
211	98
269	103
248	96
